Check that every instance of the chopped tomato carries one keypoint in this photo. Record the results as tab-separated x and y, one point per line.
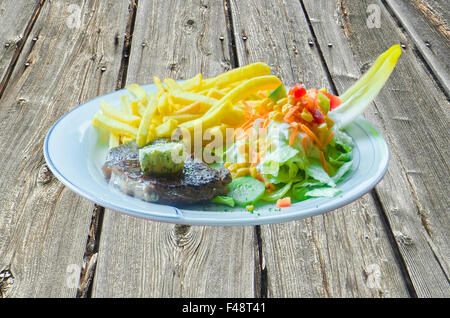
298	91
335	101
283	203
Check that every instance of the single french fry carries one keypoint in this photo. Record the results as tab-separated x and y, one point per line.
112	112
235	117
186	98
164	107
215	93
138	92
165	129
125	103
114	141
157	119
193	83
151	133
181	118
228	88
161	89
139	105
172	85
135	109
141	138
211	120
238	74
126	139
113	126
193	108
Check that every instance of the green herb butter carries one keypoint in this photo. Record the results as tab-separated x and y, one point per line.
162	158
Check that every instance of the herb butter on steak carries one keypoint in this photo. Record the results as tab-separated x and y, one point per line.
197	182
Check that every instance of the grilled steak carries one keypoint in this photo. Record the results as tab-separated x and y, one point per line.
196	183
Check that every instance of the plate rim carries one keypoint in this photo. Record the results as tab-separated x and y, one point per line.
179	218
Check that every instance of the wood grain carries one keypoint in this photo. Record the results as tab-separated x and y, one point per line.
426	22
43	225
413	116
17	19
140	258
345	253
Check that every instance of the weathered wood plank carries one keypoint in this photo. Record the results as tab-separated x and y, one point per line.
413	115
43	225
139	258
345	253
16	22
427	24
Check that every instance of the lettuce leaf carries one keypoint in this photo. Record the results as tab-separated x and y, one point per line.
316	171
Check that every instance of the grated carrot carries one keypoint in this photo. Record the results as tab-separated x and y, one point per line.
304	141
293	134
311	135
289	114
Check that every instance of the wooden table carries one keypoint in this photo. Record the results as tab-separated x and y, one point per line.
392	242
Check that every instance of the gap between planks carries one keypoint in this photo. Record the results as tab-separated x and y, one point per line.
435	69
386	227
89	268
260	271
20	44
91	251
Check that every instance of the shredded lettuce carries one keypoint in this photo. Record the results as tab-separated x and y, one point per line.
300	174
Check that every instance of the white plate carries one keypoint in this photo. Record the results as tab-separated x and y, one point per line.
75	152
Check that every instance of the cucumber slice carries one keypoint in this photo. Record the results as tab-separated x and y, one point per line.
246	190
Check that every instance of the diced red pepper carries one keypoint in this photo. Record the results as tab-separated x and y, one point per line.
283	203
335	101
298	91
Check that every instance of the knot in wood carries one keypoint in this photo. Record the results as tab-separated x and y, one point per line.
21	101
181	235
403	238
189	26
44	175
173	67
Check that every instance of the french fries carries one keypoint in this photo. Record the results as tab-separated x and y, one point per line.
166	129
213	115
213	104
112	112
114	141
141	139
113	126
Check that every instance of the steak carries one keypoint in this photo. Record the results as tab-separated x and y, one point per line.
196	183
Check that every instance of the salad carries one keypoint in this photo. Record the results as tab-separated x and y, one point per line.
287	150
280	145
